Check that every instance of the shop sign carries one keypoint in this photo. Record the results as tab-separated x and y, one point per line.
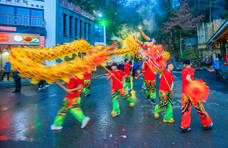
42	41
7	28
19	39
4	38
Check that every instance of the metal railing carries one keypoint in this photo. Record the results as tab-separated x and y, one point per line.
22	20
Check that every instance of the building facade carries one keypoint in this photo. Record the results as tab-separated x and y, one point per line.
204	32
22	23
42	23
73	23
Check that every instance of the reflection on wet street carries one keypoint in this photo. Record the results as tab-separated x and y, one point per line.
25	119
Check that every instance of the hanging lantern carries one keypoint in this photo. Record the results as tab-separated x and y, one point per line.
213	46
221	42
227	37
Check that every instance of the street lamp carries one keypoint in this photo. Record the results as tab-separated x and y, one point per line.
99	15
140	27
103	23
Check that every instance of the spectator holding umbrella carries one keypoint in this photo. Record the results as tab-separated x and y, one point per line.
17	80
7	69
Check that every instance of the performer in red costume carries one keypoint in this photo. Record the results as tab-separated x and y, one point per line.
127	71
117	77
187	102
87	82
150	79
71	103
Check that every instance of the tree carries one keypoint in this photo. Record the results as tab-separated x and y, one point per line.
181	24
210	9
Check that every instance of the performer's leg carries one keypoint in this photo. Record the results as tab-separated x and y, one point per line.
76	109
61	113
161	105
115	102
204	117
157	109
87	87
153	90
147	88
169	112
186	106
127	98
144	83
127	84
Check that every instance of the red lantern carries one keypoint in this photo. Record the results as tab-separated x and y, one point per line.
221	42
213	46
227	37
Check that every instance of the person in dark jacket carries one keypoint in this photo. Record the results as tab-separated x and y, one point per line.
7	69
17	80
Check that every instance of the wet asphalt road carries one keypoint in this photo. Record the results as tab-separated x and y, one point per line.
25	119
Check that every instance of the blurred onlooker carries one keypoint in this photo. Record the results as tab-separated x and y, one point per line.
41	85
217	66
135	68
7	69
207	60
17	80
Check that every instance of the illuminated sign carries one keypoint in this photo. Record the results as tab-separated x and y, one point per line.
4	38
29	39
18	38
42	41
7	28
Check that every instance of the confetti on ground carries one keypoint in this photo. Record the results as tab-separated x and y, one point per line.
123	136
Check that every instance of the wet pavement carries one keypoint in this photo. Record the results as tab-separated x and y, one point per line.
25	119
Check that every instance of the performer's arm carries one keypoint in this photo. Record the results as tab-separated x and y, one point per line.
172	85
61	85
123	79
188	78
109	76
76	88
143	65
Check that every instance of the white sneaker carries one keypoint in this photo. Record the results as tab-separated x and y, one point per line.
85	122
53	127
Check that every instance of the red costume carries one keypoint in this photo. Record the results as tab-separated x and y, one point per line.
127	69
187	102
150	78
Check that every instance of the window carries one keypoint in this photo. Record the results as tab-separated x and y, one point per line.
99	33
85	32
37	17
64	24
22	16
70	26
7	10
80	29
76	27
7	14
89	31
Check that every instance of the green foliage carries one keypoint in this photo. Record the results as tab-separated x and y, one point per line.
188	54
